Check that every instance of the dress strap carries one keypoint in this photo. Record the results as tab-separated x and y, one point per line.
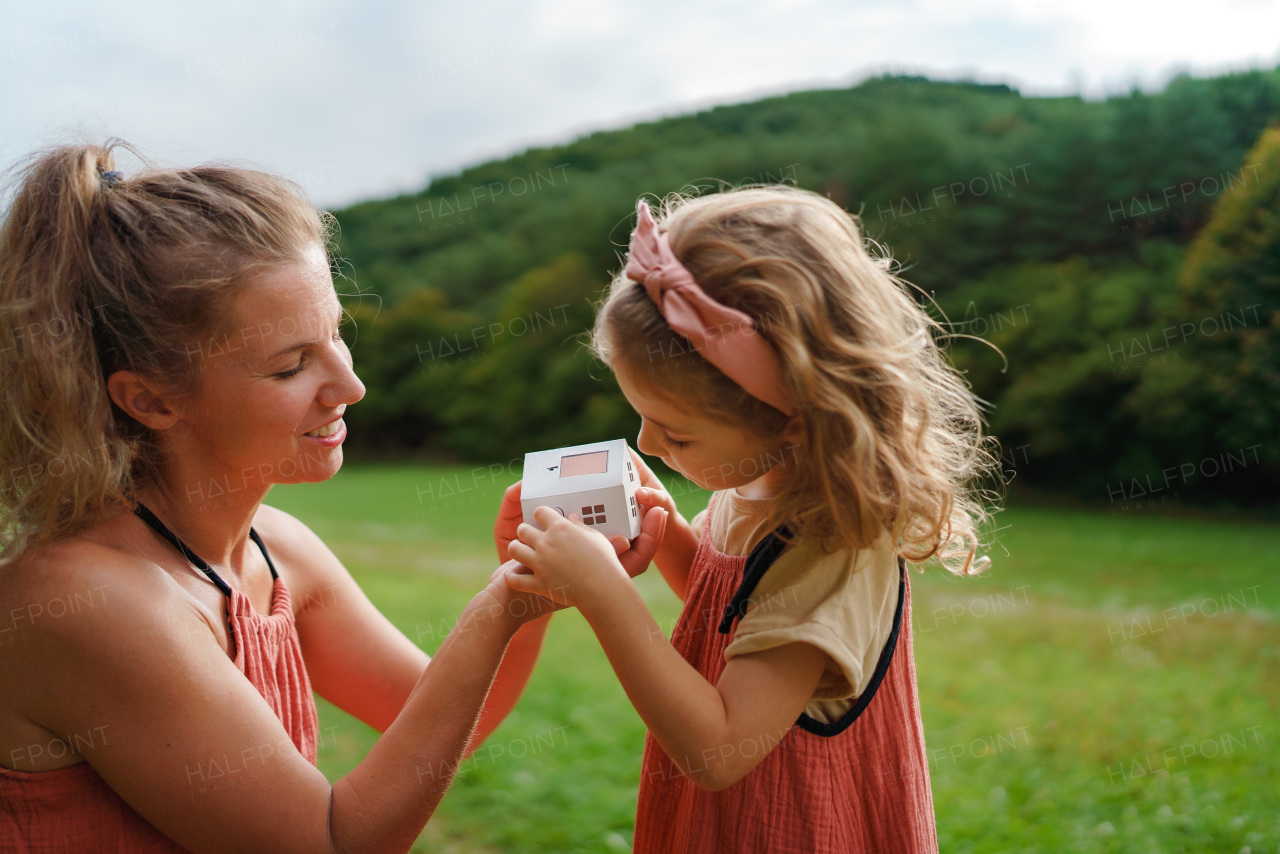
758	562
825	729
262	547
160	528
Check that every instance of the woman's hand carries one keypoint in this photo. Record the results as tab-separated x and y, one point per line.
510	515
501	601
570	563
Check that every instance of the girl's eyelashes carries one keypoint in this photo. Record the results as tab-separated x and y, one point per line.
672	443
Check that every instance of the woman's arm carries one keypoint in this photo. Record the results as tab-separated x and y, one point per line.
356	658
522	654
390	795
189	743
714	733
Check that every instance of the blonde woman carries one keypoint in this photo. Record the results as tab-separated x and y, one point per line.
171	350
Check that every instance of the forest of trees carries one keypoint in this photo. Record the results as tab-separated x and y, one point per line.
1123	255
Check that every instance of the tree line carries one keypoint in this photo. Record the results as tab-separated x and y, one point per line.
1122	256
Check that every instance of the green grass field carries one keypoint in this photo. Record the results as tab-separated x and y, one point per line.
1112	684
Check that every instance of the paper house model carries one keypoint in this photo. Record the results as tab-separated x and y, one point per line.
596	481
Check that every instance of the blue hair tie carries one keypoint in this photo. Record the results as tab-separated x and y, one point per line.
110	179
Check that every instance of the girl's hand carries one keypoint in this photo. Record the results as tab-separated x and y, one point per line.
570	563
511	515
680	542
651	492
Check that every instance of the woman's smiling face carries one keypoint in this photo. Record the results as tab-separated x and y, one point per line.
274	385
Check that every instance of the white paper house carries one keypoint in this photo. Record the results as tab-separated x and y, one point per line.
596	481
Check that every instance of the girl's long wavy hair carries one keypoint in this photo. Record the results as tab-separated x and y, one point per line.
100	273
893	435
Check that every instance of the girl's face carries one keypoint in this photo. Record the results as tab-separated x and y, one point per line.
711	453
279	380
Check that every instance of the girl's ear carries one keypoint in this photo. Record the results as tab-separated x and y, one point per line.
794	431
142	400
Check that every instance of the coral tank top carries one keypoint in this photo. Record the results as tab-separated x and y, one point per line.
72	809
858	785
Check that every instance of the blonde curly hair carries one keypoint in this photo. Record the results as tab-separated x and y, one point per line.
893	434
99	273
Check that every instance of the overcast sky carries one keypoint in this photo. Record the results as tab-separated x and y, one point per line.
360	101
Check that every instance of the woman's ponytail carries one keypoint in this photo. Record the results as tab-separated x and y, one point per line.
62	456
101	272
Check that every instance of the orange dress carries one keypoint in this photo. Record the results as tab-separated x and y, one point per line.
859	784
72	809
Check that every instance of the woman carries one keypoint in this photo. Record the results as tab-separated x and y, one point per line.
171	350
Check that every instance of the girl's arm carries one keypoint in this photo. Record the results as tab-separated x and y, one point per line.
680	543
525	646
714	733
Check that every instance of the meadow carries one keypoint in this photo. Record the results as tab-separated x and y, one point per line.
1111	684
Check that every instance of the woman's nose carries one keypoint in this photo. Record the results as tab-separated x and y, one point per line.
343	389
354	388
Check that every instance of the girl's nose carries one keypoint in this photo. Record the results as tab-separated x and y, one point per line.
646	442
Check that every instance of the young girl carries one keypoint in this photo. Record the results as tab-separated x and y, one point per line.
774	361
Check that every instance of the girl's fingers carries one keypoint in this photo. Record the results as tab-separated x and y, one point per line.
521	552
509	566
531	585
530	534
648	495
656	498
647	476
545	515
522	583
646	545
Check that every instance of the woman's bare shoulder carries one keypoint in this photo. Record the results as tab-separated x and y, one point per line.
69	585
139	673
83	606
75	565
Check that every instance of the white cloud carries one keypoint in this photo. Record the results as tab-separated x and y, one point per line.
358	102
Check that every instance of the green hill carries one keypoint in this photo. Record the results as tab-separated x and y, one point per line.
1054	227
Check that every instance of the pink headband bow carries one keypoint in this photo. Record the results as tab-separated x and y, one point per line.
725	337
